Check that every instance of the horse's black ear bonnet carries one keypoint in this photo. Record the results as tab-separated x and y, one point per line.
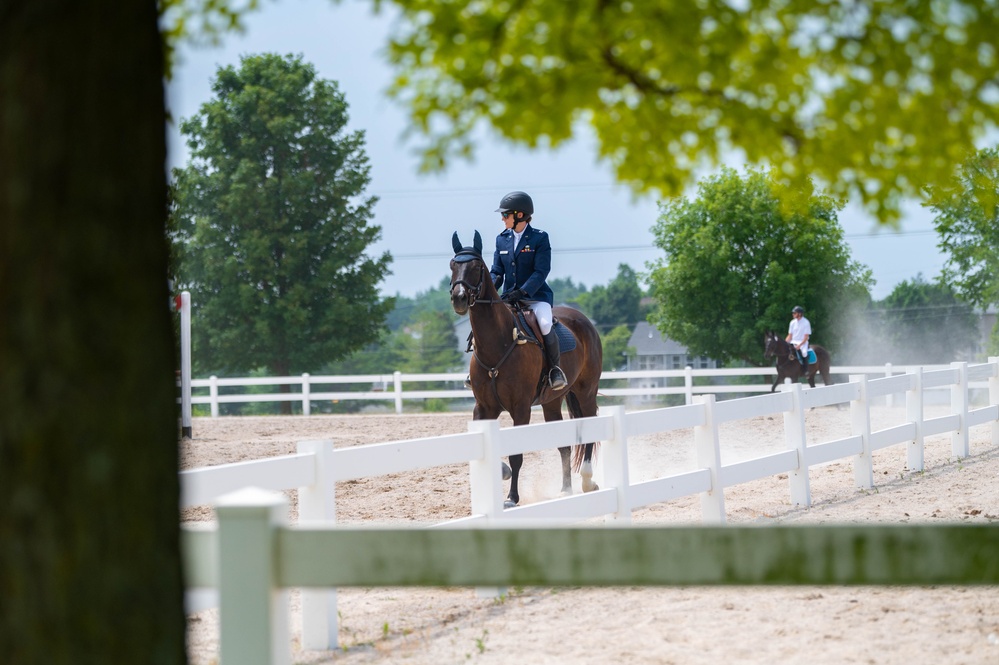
463	254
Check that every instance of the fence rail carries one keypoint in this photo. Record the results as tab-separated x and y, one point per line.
391	387
254	625
318	466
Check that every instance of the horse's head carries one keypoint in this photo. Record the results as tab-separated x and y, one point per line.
771	344
468	274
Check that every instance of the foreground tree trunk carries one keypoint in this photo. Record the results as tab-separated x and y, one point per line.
89	535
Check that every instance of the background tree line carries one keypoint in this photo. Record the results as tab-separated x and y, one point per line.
270	225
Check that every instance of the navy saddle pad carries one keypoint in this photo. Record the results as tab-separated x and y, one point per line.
566	340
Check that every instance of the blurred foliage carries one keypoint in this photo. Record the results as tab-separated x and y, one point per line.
873	99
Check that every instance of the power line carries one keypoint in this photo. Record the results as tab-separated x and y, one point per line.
491	189
639	248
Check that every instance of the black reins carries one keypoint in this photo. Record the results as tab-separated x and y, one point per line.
465	256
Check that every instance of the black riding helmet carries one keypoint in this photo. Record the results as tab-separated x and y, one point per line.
517	202
798	309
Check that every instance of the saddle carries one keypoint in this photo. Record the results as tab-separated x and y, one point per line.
811	356
528	331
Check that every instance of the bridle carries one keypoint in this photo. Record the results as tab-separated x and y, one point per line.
466	256
473	290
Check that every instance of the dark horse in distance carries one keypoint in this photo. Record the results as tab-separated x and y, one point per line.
508	372
788	366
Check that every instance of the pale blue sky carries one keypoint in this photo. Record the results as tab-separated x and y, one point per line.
594	223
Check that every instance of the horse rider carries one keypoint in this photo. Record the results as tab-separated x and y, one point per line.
798	333
521	263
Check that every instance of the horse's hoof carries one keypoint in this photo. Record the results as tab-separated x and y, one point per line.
566	492
509	504
507	471
592	487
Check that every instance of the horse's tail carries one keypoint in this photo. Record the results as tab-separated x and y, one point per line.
579	452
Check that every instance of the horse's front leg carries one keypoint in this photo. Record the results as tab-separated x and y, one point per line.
483	411
513	498
521	414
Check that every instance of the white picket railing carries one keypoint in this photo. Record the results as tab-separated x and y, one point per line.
391	387
317	467
254	626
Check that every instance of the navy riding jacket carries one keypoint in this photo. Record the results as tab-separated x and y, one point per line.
525	266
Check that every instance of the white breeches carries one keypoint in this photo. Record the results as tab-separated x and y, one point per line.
543	313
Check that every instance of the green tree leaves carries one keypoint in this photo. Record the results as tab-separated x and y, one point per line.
618	303
873	99
270	226
738	259
967	219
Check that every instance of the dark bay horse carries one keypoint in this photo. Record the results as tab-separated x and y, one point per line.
508	376
788	366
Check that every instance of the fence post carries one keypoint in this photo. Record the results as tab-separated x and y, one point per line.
614	462
914	414
317	505
213	394
994	396
959	405
688	384
397	386
860	417
794	436
709	457
890	397
485	479
306	401
185	364
253	611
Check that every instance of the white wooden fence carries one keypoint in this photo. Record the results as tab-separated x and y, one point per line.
391	387
251	577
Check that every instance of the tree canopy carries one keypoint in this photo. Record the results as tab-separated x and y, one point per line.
874	100
270	226
738	259
967	220
620	302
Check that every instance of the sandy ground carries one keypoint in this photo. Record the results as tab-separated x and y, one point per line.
817	625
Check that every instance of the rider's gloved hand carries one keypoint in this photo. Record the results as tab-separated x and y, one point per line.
514	296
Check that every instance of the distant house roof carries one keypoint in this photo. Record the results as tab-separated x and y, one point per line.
648	341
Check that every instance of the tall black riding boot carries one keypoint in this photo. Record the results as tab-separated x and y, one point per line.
556	376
